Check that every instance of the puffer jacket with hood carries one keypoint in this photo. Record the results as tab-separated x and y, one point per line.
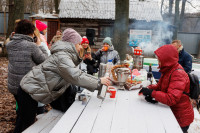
169	89
49	80
23	54
185	59
111	54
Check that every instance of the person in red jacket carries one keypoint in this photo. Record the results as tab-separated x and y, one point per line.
169	90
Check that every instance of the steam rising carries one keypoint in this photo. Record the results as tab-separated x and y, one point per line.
161	35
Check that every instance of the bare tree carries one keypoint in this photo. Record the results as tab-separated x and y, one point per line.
121	27
56	2
170	7
10	18
16	11
162	2
182	14
176	19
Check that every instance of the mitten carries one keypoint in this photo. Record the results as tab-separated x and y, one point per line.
145	91
150	99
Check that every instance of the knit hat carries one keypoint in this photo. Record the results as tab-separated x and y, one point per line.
84	40
40	25
108	41
70	35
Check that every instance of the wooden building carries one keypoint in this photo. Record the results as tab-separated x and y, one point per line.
100	14
51	20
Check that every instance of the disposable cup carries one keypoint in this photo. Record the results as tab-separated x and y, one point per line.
112	91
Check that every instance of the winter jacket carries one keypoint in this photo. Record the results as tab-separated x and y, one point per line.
92	65
23	54
104	56
169	89
49	80
185	60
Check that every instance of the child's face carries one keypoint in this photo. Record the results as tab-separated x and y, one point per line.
85	45
45	31
105	47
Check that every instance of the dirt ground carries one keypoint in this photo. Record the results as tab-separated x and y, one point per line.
7	101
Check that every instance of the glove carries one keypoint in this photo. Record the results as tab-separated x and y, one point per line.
145	91
150	99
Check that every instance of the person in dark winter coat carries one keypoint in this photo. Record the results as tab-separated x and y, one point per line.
23	54
185	59
88	57
52	81
107	52
169	90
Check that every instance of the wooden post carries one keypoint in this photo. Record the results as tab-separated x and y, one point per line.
5	22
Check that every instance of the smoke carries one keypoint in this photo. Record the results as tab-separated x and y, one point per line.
161	34
148	48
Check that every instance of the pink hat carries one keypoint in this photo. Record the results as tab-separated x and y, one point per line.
70	35
40	25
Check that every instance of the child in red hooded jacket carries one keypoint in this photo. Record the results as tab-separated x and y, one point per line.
169	90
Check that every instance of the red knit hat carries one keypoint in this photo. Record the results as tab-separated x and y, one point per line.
40	25
84	40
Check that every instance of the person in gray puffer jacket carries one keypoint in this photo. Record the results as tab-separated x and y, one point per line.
23	54
107	52
51	81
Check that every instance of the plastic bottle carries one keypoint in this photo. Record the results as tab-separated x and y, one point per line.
109	66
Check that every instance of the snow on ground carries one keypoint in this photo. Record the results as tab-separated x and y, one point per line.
195	126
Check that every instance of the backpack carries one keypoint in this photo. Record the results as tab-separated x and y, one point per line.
194	85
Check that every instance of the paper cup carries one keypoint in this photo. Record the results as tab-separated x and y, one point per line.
112	91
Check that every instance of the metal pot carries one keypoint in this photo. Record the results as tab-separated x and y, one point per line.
122	75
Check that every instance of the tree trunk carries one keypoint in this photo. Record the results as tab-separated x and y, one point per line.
176	20
11	21
56	2
31	7
170	10
16	11
161	7
51	6
121	27
43	6
170	6
182	14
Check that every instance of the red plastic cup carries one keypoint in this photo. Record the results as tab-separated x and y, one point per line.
112	91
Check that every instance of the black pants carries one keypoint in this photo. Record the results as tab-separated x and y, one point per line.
90	69
27	107
184	129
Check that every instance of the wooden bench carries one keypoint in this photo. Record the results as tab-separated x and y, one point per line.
46	122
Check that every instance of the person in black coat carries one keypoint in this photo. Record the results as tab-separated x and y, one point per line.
89	58
185	59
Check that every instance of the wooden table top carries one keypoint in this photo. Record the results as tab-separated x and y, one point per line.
127	113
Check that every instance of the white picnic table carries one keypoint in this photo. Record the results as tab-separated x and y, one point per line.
127	113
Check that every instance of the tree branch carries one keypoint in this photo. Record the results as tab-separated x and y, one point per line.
192	4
